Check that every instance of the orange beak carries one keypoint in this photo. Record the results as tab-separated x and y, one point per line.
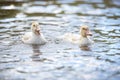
37	31
88	33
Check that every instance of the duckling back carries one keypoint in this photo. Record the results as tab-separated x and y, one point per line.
70	37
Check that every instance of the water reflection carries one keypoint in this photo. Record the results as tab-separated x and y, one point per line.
36	53
86	48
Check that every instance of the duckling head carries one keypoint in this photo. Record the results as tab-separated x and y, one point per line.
35	28
84	31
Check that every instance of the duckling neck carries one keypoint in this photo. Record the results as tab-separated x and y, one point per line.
34	34
83	36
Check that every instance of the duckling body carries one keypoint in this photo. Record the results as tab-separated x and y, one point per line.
70	37
85	41
30	38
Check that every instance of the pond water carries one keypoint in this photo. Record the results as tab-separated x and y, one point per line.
60	60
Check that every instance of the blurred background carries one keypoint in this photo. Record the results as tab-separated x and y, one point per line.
59	60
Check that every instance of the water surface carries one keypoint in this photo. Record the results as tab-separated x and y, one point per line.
59	60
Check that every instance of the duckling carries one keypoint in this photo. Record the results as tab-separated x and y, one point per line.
35	36
85	36
83	39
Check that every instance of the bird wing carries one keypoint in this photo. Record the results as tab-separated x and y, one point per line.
70	37
26	37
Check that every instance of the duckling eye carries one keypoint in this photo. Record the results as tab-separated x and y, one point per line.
33	25
84	28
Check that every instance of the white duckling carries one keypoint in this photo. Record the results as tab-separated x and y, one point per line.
85	36
35	36
83	39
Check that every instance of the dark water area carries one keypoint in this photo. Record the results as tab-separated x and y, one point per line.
60	60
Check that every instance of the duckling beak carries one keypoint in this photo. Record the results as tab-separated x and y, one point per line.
88	33
37	31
